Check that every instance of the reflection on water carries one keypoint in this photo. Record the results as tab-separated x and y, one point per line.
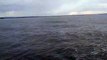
35	38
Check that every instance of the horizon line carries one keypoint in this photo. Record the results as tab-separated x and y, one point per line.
50	15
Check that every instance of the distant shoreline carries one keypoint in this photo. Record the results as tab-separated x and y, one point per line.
50	16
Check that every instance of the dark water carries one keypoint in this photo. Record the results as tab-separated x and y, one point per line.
39	38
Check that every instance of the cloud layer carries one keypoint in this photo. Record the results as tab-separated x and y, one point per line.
51	7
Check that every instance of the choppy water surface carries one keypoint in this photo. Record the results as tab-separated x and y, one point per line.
53	38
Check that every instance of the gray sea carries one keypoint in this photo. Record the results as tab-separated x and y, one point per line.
38	38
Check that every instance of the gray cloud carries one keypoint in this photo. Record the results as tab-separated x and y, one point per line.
48	7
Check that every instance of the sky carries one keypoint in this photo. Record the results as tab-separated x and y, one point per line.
51	7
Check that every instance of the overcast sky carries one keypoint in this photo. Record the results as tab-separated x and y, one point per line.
51	7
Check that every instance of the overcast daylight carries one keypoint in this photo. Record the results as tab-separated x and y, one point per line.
53	29
51	7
